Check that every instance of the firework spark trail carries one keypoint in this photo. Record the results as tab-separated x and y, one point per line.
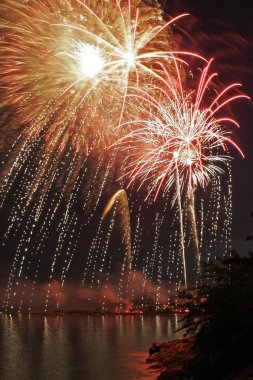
180	136
181	223
228	212
155	251
121	201
32	184
68	66
63	65
26	253
43	207
97	260
172	247
69	229
26	153
96	241
193	219
70	60
136	246
207	218
55	173
98	183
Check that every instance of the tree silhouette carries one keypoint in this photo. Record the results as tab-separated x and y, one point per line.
221	317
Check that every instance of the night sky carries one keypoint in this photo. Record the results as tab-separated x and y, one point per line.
223	30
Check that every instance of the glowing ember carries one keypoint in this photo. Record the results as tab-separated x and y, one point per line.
89	59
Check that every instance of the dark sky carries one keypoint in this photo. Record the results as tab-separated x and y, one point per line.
238	13
223	29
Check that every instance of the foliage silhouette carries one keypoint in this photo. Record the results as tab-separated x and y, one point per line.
221	318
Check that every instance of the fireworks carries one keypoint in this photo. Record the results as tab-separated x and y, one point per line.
183	143
89	59
66	66
121	201
180	133
79	75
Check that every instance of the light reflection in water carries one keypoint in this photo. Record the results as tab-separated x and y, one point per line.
79	347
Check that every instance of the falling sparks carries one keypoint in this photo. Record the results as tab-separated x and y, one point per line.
183	143
120	198
73	77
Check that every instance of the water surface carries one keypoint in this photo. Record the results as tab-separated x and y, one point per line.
112	347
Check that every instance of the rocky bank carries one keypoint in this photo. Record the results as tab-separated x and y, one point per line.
174	355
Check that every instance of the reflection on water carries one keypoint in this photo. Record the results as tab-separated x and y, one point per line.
79	347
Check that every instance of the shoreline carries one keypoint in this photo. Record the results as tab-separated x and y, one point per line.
175	354
172	358
88	312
